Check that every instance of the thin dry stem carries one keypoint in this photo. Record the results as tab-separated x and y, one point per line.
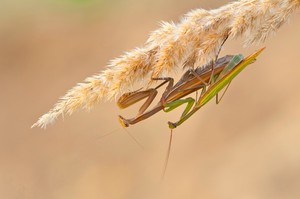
194	41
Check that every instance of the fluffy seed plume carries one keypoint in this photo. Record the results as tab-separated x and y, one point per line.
194	41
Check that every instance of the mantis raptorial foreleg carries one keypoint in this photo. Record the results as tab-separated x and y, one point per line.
126	122
187	84
130	98
149	100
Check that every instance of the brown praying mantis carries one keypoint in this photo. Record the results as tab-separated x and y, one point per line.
211	78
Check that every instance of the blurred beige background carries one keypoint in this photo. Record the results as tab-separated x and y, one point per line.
246	147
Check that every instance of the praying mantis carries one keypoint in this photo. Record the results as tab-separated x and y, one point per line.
211	78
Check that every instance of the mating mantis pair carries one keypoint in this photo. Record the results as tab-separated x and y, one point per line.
211	78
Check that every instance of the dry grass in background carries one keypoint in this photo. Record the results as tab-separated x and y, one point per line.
246	147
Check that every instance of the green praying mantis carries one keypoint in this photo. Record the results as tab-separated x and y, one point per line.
211	78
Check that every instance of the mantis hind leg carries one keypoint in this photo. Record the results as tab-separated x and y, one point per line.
215	60
192	71
218	100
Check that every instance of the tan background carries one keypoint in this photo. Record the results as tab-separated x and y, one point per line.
246	147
